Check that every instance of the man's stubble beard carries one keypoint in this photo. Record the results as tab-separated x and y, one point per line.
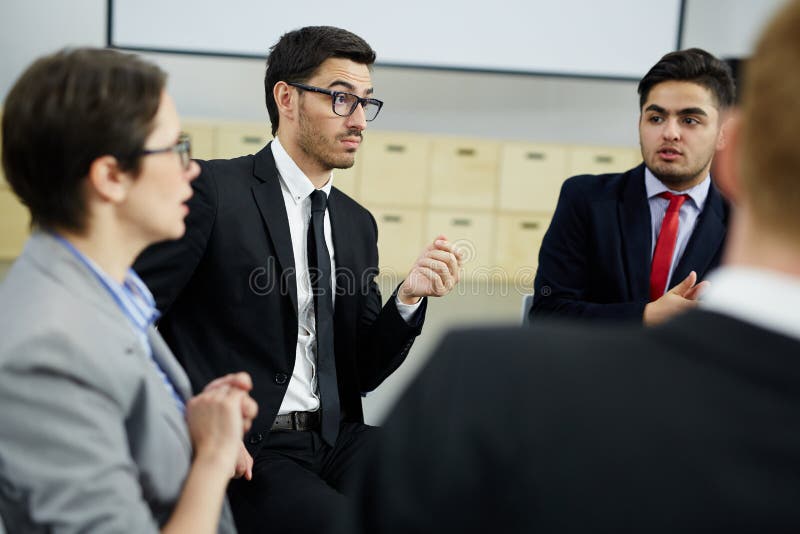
314	144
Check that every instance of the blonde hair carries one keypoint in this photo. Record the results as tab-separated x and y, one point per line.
770	148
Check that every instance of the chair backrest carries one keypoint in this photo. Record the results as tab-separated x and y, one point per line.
527	304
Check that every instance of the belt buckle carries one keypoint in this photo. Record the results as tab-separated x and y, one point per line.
295	420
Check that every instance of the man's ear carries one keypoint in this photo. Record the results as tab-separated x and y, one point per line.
107	181
286	99
727	175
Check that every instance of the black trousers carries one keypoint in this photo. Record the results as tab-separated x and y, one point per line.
300	483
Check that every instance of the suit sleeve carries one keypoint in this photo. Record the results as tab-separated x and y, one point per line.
383	337
65	454
561	287
167	267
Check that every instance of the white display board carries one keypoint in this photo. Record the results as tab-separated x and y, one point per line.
595	38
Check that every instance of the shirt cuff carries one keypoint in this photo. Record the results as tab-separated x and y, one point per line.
406	311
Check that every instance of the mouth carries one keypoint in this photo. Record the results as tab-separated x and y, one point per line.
185	203
669	154
351	142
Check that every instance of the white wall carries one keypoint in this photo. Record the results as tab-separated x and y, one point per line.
485	105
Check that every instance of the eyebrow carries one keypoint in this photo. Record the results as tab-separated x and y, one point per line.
347	85
685	111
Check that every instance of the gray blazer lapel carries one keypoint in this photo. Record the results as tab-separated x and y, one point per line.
169	364
53	259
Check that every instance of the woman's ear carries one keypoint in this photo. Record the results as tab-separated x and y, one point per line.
107	181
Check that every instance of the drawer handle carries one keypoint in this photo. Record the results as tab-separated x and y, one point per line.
530	225
392	218
461	222
395	148
251	140
603	159
465	152
535	155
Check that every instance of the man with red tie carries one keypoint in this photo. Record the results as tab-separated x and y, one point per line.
636	245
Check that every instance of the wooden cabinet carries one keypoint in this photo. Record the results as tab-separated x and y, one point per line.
464	173
394	169
347	180
602	160
399	239
203	138
14	224
518	238
531	176
241	139
471	232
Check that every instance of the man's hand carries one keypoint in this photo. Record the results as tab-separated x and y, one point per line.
681	298
434	273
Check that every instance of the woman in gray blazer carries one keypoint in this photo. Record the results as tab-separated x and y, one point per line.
98	428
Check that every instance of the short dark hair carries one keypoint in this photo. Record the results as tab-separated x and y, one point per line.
66	110
691	65
297	55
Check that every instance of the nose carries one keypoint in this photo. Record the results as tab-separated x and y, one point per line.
358	119
671	129
193	171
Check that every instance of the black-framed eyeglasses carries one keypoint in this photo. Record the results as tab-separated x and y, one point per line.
183	148
343	103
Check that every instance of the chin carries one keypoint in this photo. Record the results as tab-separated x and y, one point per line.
345	162
176	232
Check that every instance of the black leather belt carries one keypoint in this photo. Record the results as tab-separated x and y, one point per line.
299	421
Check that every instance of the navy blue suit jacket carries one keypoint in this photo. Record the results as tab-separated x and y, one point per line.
595	257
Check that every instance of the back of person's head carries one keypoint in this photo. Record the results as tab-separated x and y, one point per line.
66	110
770	115
691	65
298	54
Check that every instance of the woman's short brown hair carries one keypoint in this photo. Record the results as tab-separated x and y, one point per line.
66	110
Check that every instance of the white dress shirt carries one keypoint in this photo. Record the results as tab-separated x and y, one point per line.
303	394
687	217
768	299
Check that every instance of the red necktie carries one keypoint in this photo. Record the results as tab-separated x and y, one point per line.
665	245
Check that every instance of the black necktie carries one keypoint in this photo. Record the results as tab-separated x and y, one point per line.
319	266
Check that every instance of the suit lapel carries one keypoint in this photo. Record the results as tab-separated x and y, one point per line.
269	199
707	238
634	218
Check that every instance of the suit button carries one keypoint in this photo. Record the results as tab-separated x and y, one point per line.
255	438
280	378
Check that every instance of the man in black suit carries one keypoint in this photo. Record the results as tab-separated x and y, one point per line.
689	426
275	275
617	242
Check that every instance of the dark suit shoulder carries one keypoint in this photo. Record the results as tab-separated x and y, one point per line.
225	170
599	185
346	201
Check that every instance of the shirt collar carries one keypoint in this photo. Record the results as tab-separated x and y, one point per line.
295	180
698	193
768	299
132	296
